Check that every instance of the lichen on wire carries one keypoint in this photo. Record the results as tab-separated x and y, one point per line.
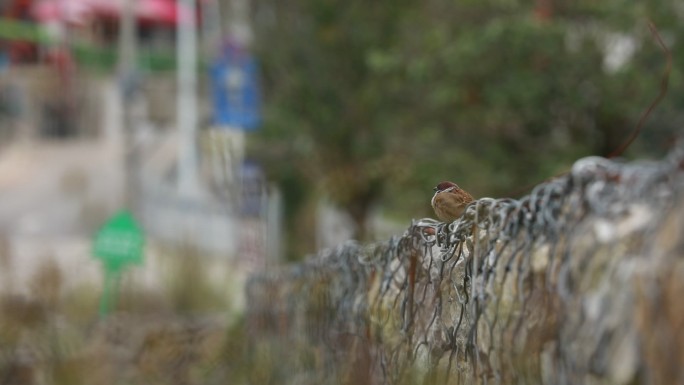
497	296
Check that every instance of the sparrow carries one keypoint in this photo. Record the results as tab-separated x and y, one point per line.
450	201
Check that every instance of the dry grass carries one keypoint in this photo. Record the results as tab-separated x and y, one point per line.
177	334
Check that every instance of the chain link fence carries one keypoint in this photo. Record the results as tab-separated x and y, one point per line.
577	282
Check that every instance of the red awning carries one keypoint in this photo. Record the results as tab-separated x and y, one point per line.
68	11
80	11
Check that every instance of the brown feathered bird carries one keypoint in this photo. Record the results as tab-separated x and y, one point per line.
450	201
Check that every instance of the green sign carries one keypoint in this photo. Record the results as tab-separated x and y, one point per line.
119	242
19	30
86	54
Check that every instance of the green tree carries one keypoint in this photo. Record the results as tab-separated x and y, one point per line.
372	102
330	121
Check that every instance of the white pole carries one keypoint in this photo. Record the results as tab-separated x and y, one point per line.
186	101
211	26
127	37
127	66
239	24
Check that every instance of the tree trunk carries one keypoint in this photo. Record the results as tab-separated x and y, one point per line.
359	212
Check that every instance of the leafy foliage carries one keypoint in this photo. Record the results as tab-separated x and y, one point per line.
373	103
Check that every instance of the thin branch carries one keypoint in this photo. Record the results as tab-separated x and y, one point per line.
663	91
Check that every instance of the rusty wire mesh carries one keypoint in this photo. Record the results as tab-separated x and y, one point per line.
566	285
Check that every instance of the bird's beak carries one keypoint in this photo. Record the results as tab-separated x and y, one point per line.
434	189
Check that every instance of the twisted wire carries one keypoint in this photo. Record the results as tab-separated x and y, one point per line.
451	302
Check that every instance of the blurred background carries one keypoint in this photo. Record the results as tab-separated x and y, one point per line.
244	134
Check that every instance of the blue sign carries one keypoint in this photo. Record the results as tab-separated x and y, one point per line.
236	90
